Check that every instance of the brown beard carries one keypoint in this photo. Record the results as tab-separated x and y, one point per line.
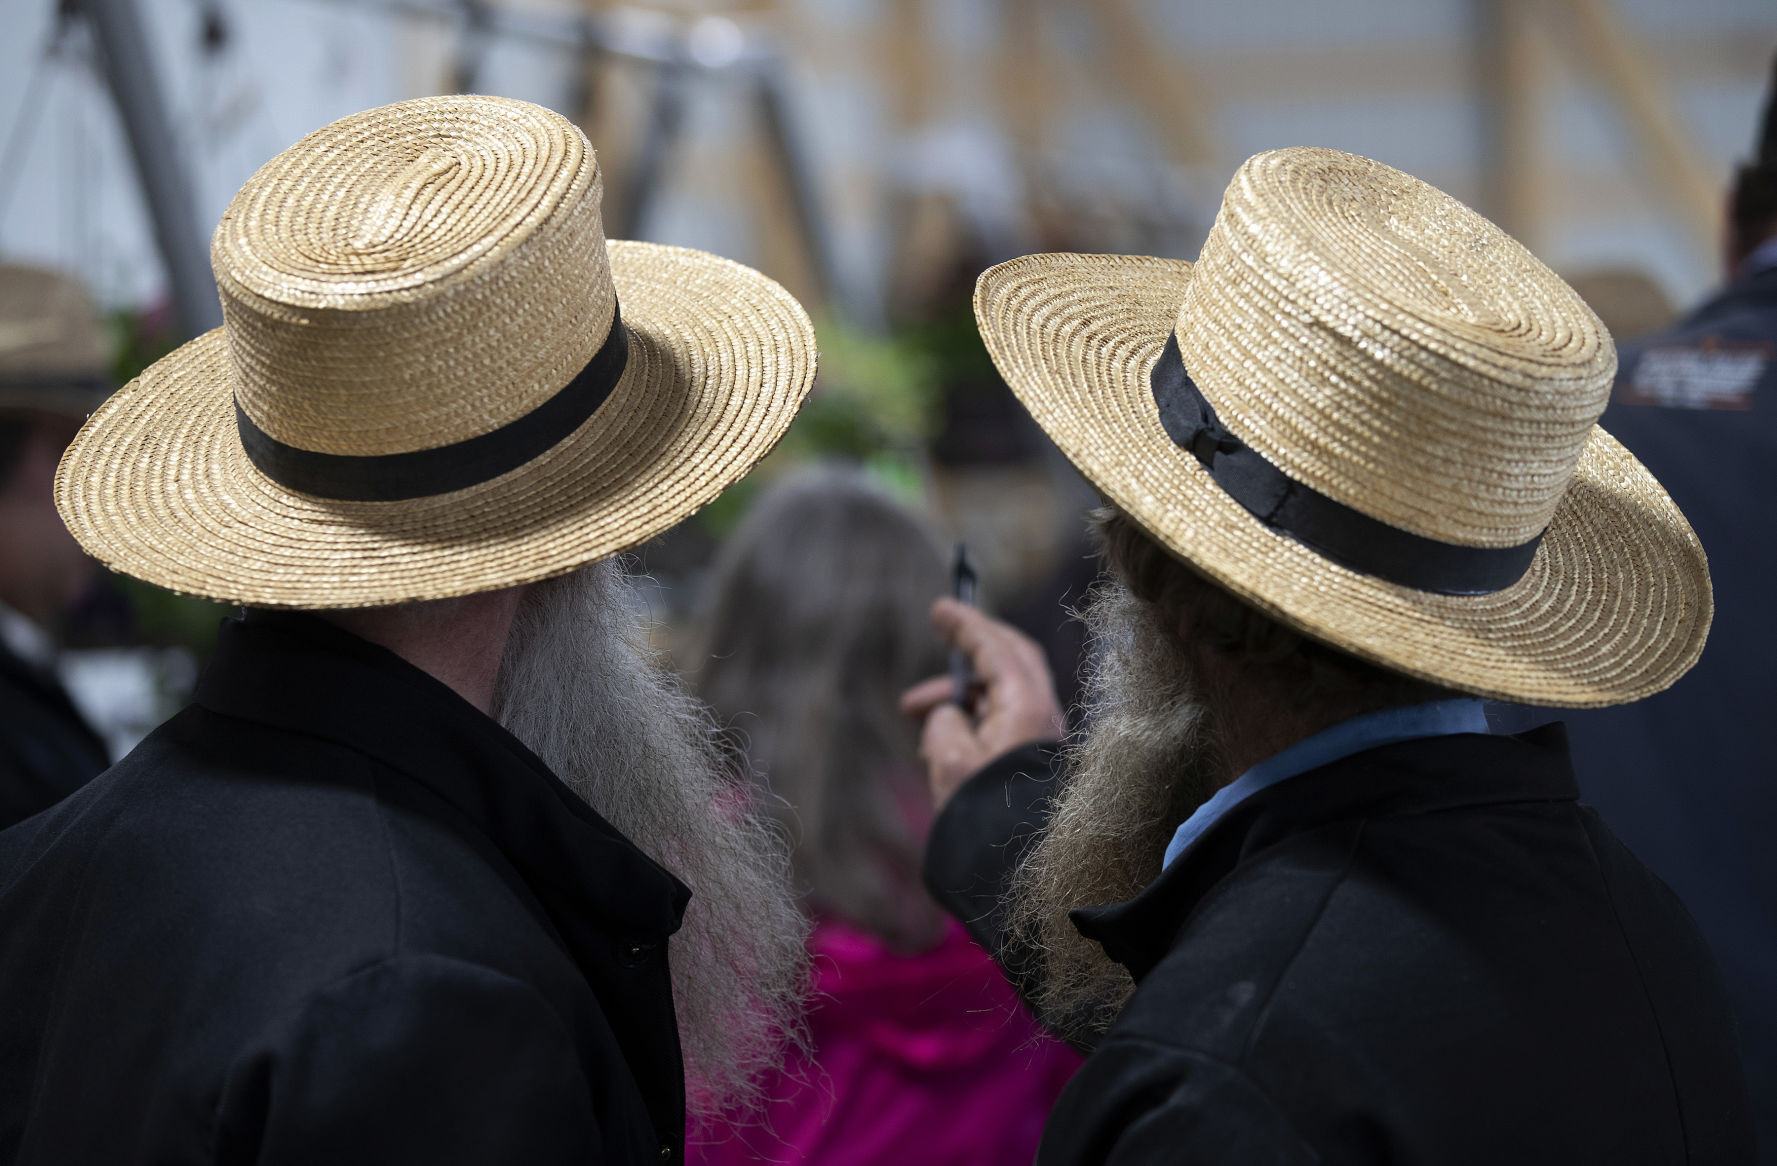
581	686
1147	759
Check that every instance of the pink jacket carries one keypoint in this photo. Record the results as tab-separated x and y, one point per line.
926	1058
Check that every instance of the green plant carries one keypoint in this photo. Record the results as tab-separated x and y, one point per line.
875	402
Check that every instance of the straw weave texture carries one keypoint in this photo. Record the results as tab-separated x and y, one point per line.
402	280
1385	344
393	232
1616	604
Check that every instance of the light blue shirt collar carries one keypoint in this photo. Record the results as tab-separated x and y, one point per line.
1370	731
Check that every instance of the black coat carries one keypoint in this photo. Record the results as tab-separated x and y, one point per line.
332	913
1428	952
1688	778
47	750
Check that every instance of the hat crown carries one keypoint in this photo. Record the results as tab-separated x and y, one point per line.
414	276
1382	343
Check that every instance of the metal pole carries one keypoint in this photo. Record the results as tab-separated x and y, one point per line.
799	180
666	117
465	71
129	74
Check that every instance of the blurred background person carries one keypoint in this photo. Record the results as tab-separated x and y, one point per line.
817	618
53	372
1689	778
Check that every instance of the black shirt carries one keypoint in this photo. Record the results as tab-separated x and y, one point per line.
1427	952
1688	778
333	913
47	750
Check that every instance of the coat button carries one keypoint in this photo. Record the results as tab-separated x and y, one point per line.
666	1153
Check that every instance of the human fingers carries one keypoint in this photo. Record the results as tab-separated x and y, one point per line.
1021	710
1018	703
925	696
1011	664
951	751
994	648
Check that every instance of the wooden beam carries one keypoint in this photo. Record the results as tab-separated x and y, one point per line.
1361	71
1157	81
1610	51
1024	79
911	76
1509	80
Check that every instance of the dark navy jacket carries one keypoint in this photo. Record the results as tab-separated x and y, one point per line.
332	913
1688	778
1425	953
47	750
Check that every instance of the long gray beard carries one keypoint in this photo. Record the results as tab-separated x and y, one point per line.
581	686
1144	763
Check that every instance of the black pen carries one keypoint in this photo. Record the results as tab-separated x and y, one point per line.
962	589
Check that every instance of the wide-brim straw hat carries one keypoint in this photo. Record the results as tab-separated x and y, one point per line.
435	377
53	354
1404	398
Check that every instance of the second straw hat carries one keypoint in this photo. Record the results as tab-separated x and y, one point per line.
53	354
1371	414
435	376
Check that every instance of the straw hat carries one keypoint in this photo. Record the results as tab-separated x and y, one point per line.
435	376
1371	414
53	355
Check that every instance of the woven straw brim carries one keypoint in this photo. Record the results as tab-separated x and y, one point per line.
1615	607
720	357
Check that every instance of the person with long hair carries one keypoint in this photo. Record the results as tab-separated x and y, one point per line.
816	619
441	864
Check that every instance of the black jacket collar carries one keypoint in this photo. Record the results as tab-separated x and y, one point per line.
1738	312
1761	284
302	674
1412	777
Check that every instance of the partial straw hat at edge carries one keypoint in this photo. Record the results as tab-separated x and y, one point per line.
54	356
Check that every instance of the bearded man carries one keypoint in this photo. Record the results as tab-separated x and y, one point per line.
403	884
1288	888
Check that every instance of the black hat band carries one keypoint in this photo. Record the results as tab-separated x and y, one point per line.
1331	529
420	473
